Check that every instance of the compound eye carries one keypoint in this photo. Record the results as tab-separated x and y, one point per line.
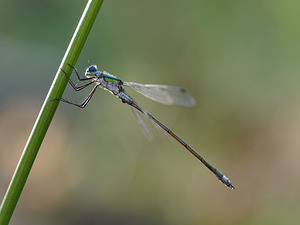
92	69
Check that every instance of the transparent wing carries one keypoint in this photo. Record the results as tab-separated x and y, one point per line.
162	131
165	94
142	124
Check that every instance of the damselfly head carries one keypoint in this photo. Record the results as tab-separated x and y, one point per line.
91	71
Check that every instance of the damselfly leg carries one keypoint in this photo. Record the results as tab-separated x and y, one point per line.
85	101
79	88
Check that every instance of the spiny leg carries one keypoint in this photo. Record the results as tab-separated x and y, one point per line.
79	78
84	103
73	85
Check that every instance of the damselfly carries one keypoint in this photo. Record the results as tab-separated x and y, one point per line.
160	93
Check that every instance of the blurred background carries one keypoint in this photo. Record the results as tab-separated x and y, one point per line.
239	59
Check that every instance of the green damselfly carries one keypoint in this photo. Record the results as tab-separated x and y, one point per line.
160	93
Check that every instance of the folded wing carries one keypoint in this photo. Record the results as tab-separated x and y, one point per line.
165	94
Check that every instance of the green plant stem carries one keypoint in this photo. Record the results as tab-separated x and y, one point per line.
47	112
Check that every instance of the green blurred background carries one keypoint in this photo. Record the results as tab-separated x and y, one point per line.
240	60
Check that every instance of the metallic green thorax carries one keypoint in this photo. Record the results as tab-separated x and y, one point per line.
111	79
